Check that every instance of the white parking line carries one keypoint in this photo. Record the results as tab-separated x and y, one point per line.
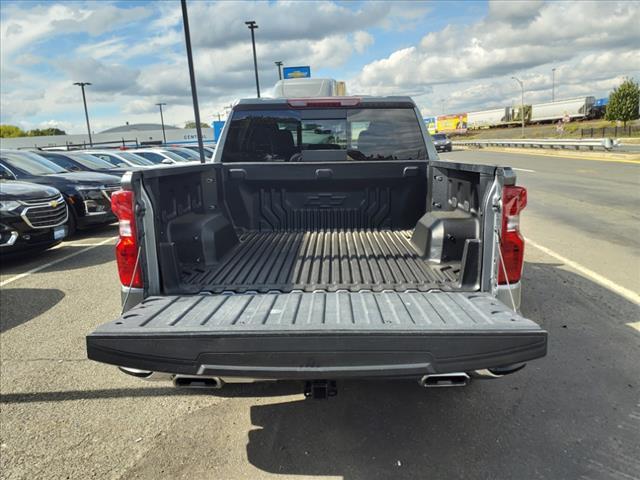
596	277
54	262
523	170
635	325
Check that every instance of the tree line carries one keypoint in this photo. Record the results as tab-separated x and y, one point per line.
11	131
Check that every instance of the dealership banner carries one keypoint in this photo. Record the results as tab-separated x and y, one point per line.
452	123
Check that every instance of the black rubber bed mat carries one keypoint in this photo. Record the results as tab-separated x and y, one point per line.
324	260
318	335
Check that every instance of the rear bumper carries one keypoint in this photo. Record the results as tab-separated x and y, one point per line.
318	335
319	356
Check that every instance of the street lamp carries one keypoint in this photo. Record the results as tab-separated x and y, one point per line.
251	24
86	113
192	77
279	65
553	84
521	102
164	135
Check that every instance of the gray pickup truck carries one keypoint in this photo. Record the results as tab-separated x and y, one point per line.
325	240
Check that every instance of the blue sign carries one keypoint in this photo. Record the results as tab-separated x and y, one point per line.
217	128
296	72
601	102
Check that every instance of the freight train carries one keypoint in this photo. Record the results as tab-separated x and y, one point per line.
568	109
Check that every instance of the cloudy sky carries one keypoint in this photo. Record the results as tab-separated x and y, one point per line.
456	56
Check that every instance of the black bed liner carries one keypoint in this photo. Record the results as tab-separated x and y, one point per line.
324	260
318	335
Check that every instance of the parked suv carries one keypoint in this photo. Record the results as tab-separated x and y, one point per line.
121	159
87	193
32	217
83	162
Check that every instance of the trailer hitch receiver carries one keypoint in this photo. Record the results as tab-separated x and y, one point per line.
320	389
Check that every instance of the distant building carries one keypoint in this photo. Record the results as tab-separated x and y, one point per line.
138	127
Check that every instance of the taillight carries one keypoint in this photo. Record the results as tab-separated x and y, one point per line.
514	199
127	247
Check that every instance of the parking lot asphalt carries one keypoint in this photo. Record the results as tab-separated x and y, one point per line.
573	414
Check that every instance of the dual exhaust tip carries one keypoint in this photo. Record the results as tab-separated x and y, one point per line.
459	379
427	381
436	380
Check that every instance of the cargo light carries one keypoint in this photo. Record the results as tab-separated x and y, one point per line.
122	205
324	102
514	199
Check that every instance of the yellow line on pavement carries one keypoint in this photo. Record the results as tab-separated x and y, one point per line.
634	158
635	325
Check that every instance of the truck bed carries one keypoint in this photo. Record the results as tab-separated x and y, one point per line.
351	260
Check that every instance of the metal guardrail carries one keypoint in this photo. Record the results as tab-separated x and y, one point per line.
552	143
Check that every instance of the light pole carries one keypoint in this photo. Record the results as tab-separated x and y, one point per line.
251	24
192	77
164	135
553	84
521	102
279	65
86	113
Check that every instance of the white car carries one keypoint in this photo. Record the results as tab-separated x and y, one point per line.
159	156
120	158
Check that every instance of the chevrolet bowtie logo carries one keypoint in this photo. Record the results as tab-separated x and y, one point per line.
53	203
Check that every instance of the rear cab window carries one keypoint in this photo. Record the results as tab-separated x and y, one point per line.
281	133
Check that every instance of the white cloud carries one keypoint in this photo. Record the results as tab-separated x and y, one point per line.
591	43
134	56
362	40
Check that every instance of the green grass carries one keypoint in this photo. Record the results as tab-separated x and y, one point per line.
571	130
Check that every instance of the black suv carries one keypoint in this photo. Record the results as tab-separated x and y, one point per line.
82	162
88	194
32	217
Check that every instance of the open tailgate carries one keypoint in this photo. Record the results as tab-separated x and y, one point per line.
310	335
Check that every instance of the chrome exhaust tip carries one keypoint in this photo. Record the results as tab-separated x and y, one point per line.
497	372
198	382
457	379
135	372
146	374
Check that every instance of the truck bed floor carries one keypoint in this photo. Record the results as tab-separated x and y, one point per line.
352	260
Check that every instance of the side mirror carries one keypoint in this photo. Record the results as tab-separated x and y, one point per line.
5	175
166	161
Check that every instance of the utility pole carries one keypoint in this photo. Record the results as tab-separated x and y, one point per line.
521	102
279	65
86	113
251	24
192	77
164	135
553	84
